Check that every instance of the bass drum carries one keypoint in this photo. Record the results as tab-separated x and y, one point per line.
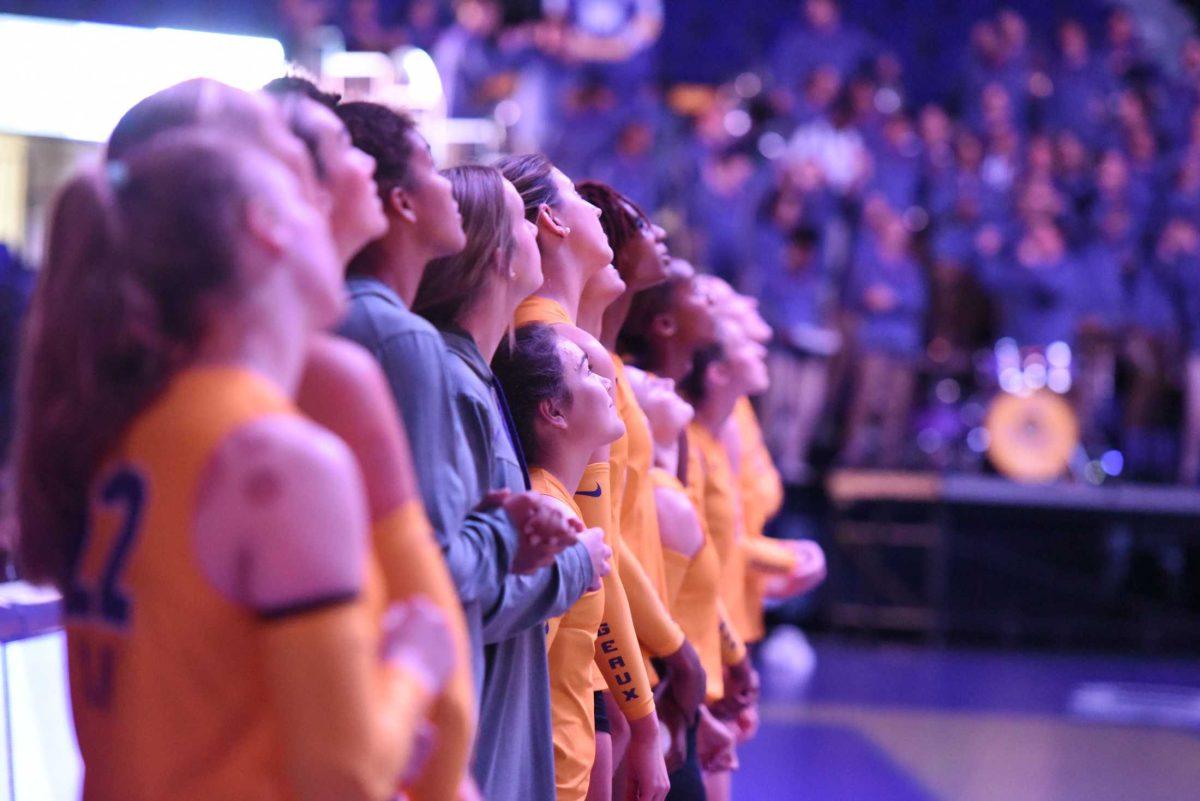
1031	437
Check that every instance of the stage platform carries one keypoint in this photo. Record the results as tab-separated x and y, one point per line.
1146	500
1066	562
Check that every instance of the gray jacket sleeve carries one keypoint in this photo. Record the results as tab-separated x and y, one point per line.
526	601
520	602
413	364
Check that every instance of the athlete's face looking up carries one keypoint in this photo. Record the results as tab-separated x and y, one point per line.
695	317
355	213
284	145
666	412
591	418
604	287
431	197
746	361
646	254
741	310
586	238
745	310
297	234
526	264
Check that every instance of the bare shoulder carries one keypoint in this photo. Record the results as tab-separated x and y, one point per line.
280	513
344	389
679	529
344	372
288	442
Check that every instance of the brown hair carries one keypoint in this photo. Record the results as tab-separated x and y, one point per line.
383	134
297	97
299	85
619	216
529	370
453	285
532	175
135	256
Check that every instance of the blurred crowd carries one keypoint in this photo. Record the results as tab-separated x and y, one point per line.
1050	194
916	206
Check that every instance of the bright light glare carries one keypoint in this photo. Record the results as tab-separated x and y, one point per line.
424	83
74	80
1113	463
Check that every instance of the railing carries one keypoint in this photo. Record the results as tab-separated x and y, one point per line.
38	757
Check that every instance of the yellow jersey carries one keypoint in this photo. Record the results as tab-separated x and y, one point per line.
693	584
720	504
762	497
167	685
571	648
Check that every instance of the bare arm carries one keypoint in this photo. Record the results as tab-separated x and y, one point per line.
281	527
344	389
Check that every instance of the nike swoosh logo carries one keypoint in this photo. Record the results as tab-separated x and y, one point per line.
594	493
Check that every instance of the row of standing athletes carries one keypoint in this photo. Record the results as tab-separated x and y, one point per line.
483	559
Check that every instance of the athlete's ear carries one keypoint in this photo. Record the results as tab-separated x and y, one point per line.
718	374
548	222
551	413
663	325
264	227
400	203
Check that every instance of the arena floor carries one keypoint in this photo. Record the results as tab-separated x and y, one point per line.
888	723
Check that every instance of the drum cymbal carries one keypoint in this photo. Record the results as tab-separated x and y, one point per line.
1031	438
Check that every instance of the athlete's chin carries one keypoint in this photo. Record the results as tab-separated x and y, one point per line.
328	314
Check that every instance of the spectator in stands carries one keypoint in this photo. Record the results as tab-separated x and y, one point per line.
1080	86
1185	196
862	97
1039	159
1102	262
887	291
634	163
997	67
897	163
1034	285
588	125
891	94
947	188
1001	166
1145	165
957	197
1116	192
365	29
1178	263
609	42
936	130
1016	65
797	299
1073	175
424	21
1152	352
834	144
477	68
1123	51
1182	96
819	38
372	25
302	22
722	210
